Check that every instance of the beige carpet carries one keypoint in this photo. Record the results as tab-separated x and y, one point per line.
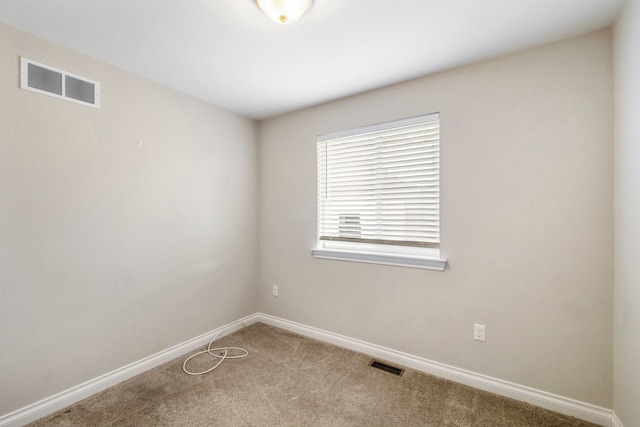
289	380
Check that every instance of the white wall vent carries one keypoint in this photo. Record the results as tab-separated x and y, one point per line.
50	81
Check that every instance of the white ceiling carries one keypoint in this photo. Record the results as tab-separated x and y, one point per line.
228	53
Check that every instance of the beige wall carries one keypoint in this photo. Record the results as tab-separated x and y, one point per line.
627	216
110	252
527	188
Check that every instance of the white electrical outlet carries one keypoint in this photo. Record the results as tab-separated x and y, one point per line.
275	291
478	332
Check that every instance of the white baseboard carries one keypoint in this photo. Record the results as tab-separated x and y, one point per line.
615	421
75	394
581	410
563	405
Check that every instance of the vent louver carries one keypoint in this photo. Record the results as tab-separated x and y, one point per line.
387	368
50	81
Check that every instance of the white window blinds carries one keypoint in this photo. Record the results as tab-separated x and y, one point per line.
380	184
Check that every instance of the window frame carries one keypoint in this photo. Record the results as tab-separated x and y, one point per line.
375	253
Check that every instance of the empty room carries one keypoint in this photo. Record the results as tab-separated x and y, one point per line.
320	213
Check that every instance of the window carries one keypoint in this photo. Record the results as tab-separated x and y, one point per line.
379	194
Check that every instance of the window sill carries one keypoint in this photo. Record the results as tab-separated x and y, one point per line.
381	258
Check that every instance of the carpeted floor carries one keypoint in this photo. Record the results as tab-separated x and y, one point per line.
289	380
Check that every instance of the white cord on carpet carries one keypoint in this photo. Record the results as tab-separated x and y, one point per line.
212	352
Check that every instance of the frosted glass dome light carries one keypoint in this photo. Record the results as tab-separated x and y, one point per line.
284	12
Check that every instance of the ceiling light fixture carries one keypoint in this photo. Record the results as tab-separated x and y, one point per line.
284	11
